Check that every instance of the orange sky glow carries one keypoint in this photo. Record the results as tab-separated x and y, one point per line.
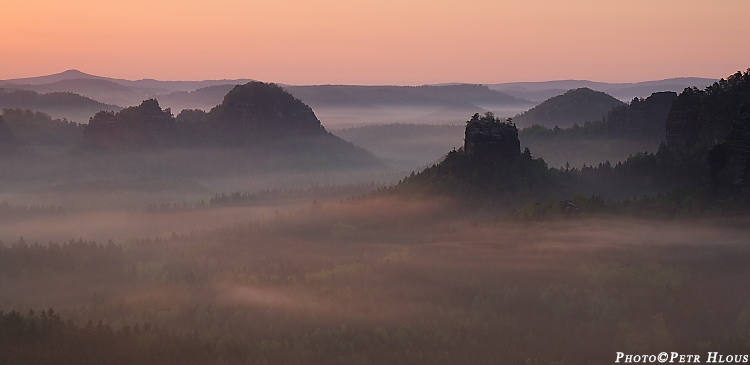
377	42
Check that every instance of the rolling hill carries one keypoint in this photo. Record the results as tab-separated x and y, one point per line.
66	105
575	106
260	122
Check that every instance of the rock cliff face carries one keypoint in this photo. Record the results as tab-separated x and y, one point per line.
729	162
716	116
488	167
707	116
488	139
684	119
651	114
642	119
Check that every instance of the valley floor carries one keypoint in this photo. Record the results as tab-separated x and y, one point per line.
391	281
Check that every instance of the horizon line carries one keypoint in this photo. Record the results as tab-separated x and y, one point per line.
344	84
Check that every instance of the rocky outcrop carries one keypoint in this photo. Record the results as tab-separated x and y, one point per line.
642	119
250	113
262	120
684	119
489	166
488	139
259	110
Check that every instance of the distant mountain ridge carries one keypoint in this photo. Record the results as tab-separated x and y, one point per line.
345	105
328	95
441	104
432	104
66	105
105	91
204	98
157	86
534	91
539	91
115	91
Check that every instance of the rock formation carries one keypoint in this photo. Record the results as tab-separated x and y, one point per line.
684	119
263	120
250	113
258	110
729	162
488	139
489	166
707	116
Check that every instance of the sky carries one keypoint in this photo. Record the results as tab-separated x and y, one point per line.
377	42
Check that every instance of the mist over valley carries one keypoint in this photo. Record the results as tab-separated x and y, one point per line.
245	222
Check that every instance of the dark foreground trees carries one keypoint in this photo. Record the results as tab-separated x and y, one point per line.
45	338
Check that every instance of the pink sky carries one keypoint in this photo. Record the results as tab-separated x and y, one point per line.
377	42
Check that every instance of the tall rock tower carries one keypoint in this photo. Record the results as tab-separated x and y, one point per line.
491	140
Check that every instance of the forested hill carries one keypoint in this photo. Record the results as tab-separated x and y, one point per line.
66	105
703	165
8	142
707	116
575	106
250	113
254	116
36	129
642	120
715	122
257	110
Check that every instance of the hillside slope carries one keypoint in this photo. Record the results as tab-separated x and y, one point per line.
575	106
66	105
